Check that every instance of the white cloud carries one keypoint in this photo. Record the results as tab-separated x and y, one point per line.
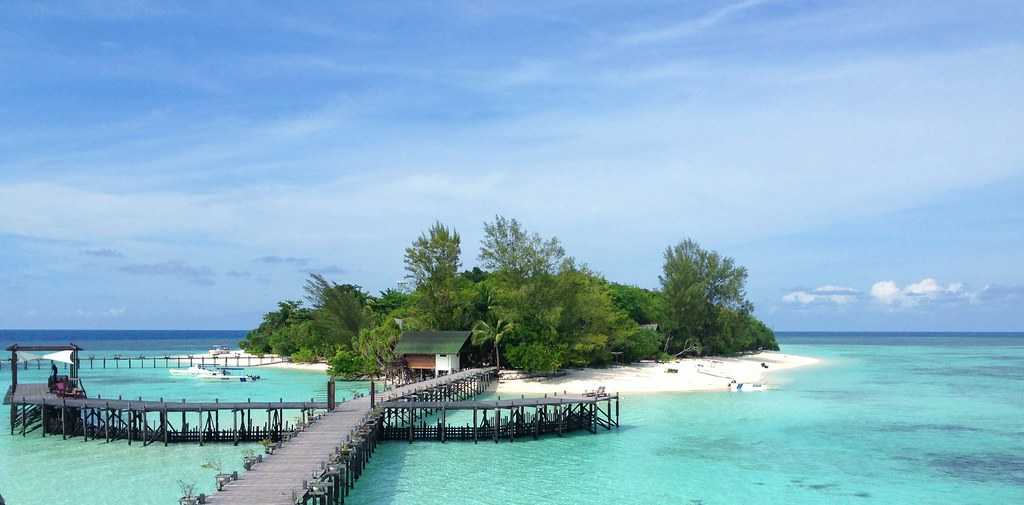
108	313
839	295
925	290
888	293
885	291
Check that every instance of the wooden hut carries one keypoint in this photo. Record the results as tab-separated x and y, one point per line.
439	352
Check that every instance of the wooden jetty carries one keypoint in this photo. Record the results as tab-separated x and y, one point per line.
321	464
149	421
141	361
499	419
317	458
38	407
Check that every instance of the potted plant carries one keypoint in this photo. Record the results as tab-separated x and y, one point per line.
187	493
250	458
268	446
222	478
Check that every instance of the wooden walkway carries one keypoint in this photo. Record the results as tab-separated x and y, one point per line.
281	478
35	408
130	362
406	419
39	394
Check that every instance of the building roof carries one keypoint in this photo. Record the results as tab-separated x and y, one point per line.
431	342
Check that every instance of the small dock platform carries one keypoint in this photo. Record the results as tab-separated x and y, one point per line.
500	419
35	408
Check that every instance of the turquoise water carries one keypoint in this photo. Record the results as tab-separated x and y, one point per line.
48	470
886	419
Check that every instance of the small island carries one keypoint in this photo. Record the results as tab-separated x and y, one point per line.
532	308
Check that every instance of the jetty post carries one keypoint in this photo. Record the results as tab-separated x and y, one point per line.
331	388
14	385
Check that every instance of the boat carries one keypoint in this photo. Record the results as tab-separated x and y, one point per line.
746	386
217	350
213	373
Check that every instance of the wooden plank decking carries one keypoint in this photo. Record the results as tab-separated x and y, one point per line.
281	475
27	391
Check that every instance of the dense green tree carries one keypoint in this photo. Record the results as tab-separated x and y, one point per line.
349	364
639	344
377	344
432	263
705	298
289	313
509	249
534	356
486	333
531	306
475	275
339	312
387	302
587	318
642	305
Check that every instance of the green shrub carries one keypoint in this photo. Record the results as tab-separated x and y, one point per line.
639	344
534	357
304	356
350	365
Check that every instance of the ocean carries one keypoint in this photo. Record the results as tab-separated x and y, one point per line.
905	418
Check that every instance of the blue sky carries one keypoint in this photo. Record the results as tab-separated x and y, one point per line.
185	165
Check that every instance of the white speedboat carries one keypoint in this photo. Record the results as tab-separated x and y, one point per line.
218	350
746	386
213	373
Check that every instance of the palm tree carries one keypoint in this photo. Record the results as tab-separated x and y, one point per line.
484	332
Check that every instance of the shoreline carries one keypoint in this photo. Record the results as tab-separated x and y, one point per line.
691	375
264	361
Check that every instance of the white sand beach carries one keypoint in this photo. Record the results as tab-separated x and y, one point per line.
704	374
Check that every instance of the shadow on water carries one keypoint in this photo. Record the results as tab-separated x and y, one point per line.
980	467
910	428
1012	372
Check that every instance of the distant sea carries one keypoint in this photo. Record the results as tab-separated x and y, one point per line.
909	418
126	340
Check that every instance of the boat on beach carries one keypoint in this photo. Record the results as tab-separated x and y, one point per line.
746	386
213	373
219	350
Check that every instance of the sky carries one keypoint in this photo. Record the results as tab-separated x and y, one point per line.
186	166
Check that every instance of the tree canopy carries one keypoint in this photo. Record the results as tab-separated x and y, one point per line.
528	303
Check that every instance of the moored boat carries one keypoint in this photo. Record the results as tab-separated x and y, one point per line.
212	373
746	386
218	350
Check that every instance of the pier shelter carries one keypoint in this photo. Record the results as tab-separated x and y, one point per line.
437	352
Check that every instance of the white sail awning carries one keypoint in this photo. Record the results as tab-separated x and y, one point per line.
60	356
27	356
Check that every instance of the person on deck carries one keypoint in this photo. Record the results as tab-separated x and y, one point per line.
53	377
